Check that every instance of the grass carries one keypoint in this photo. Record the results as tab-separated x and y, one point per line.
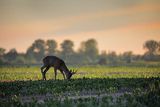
33	73
142	84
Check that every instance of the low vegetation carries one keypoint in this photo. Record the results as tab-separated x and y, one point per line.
96	86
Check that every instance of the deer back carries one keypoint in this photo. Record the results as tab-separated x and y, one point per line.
54	62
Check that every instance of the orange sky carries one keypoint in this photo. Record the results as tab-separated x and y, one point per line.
117	26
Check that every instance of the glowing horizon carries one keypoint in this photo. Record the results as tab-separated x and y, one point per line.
117	26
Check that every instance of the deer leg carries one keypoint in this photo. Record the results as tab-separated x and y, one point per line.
55	73
44	73
42	68
63	74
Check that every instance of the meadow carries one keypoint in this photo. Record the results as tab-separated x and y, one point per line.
91	86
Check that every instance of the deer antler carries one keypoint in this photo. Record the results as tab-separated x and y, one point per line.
73	71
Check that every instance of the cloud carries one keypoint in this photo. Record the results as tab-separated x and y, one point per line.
108	21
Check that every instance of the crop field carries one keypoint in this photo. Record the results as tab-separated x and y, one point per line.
91	86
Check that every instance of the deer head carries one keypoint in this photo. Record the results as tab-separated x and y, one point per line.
72	72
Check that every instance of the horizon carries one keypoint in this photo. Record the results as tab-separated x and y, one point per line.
118	26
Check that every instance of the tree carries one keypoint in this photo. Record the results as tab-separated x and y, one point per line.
30	52
159	48
127	56
67	52
152	46
51	47
90	50
30	55
82	48
102	58
37	50
81	55
11	55
112	57
2	51
67	48
20	59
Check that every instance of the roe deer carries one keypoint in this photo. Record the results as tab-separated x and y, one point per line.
58	64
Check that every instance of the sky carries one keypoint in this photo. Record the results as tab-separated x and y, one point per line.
117	25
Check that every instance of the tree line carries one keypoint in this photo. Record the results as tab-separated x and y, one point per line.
88	53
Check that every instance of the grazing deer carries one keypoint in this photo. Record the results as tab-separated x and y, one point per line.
58	64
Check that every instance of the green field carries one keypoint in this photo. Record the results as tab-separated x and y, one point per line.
33	73
96	86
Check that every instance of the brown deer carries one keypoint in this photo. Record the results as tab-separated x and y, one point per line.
58	64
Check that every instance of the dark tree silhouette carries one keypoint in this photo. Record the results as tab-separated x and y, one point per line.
112	57
87	53
90	50
67	48
11	55
2	51
151	46
102	58
127	56
37	50
51	47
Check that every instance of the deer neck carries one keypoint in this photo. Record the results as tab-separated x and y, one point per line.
66	70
